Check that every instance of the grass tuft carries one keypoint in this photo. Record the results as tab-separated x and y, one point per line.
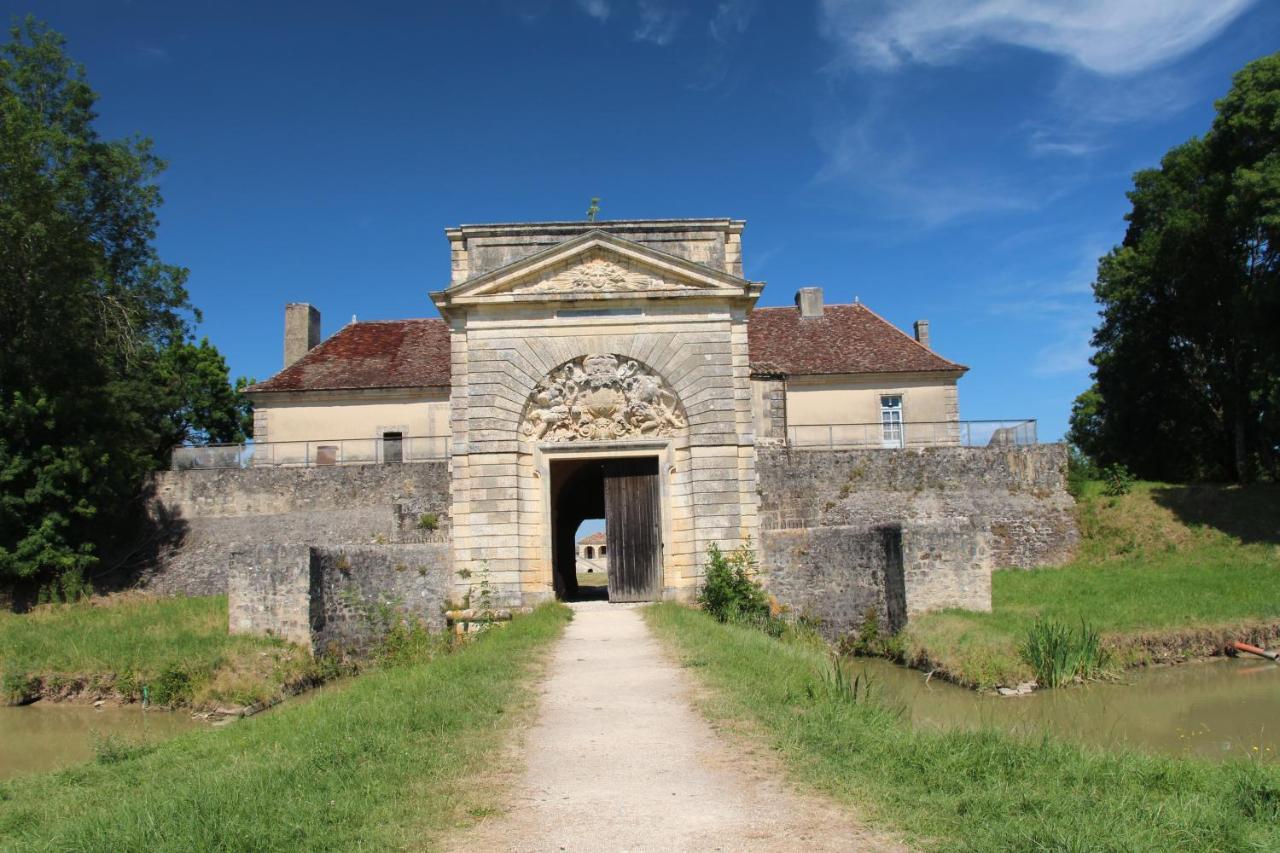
1059	655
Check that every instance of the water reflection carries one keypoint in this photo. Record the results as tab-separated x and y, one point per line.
1217	709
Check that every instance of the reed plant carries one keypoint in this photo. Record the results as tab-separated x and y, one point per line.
1060	655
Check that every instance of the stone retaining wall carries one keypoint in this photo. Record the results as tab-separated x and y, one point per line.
962	512
203	515
335	598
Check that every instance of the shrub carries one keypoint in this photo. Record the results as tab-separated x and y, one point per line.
1080	470
171	687
728	590
1117	480
18	688
410	641
428	521
1058	655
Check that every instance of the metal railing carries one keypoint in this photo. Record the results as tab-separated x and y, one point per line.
308	454
915	434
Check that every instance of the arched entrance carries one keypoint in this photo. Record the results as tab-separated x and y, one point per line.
626	493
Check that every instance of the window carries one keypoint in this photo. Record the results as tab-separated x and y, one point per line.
602	547
891	433
591	553
392	447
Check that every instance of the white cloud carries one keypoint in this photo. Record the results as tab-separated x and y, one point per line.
658	24
598	9
731	19
1108	37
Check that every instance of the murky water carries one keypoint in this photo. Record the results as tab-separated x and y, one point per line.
1216	709
47	735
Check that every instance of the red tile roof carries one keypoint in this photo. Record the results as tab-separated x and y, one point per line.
597	538
845	339
416	353
380	354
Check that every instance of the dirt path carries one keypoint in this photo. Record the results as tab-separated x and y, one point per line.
618	759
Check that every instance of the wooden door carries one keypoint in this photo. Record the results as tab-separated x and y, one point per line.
633	529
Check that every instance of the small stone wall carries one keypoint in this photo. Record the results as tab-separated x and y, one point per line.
204	514
335	599
962	512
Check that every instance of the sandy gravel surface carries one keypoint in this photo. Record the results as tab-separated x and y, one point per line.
619	759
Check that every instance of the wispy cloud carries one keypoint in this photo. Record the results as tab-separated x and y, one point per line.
1108	37
598	9
152	54
731	19
888	131
658	24
909	178
1063	311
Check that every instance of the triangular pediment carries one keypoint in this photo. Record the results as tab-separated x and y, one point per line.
597	265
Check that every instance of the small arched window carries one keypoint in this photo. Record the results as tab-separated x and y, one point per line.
590	553
602	547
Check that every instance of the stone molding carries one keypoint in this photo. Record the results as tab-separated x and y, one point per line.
595	273
601	397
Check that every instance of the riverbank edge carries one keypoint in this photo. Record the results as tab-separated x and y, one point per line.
98	690
961	789
1130	650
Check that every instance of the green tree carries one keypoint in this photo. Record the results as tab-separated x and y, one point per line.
1188	358
98	374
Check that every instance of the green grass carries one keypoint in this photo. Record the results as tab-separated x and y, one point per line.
965	790
124	642
388	760
1164	571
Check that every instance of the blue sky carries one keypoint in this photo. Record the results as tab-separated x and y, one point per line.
964	162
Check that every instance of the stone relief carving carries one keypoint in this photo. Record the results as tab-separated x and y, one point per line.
599	274
600	397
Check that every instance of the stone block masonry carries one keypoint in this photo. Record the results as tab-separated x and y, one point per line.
340	599
205	514
961	511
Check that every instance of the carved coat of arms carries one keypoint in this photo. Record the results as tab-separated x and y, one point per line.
600	397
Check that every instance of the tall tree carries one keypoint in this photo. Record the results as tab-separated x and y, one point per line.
98	375
1188	355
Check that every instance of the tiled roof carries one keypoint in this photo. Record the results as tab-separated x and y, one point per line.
416	353
381	354
597	538
845	339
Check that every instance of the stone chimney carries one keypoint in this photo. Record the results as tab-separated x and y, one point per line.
809	299
922	331
301	330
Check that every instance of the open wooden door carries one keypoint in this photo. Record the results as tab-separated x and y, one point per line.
633	529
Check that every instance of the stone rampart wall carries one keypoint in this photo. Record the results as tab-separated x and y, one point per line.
330	598
962	512
203	515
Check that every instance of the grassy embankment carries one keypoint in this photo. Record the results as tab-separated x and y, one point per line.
1165	573
389	760
964	790
114	646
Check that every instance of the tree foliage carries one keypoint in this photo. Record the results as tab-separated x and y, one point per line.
99	376
1187	367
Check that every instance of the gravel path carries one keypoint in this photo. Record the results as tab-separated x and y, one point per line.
618	759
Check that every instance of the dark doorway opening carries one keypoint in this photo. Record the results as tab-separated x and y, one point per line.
624	492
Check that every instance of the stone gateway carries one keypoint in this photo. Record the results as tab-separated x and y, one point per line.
617	371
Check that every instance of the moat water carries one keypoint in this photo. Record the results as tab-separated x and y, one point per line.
1215	710
50	735
1219	709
